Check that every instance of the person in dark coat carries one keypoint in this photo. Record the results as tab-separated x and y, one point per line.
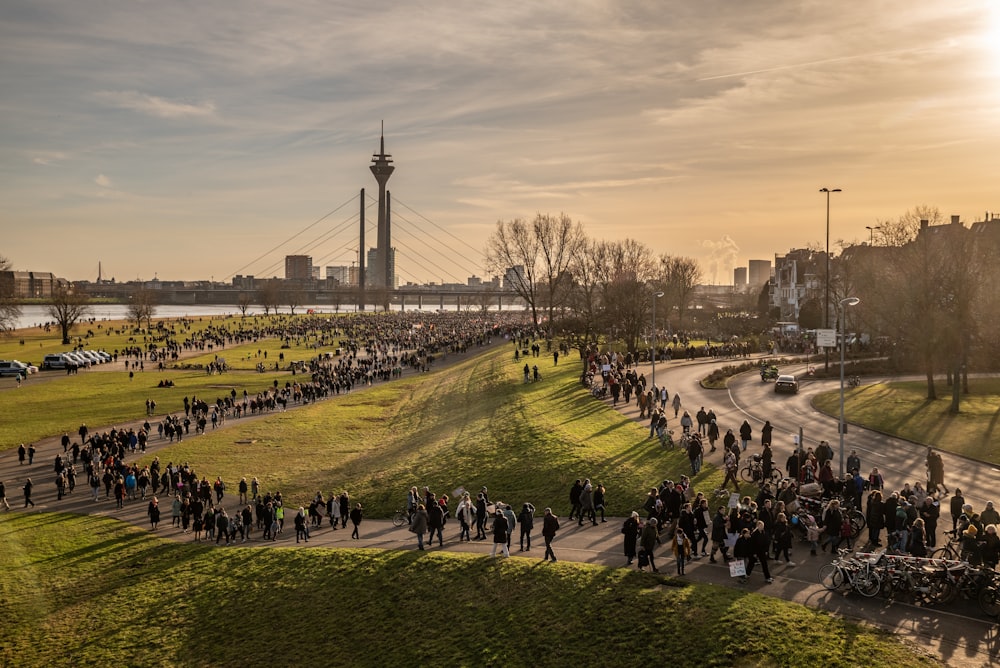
765	433
630	529
435	522
501	530
875	517
719	535
357	515
418	524
758	552
526	519
550	525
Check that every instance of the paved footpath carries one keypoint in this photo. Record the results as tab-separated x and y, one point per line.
960	636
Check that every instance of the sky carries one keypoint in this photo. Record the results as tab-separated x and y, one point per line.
200	139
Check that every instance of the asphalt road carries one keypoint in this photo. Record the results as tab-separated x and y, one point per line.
958	635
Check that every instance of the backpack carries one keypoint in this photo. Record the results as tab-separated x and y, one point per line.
846	529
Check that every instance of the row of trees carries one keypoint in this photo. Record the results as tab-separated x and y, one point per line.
930	288
606	286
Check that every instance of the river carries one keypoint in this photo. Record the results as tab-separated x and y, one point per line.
34	315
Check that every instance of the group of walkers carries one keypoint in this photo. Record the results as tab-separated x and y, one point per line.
428	514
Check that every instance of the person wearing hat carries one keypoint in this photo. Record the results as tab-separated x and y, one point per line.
501	531
971	548
989	515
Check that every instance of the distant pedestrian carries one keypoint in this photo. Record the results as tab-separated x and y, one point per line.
356	516
550	525
28	486
501	532
527	521
418	524
3	495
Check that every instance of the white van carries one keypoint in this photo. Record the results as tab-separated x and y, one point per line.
55	361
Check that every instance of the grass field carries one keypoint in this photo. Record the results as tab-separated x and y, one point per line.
902	409
85	591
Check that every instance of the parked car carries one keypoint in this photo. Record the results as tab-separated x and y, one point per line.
30	367
78	359
13	368
56	361
103	355
786	383
92	356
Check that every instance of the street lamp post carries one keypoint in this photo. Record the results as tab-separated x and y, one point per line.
871	233
844	303
826	302
655	297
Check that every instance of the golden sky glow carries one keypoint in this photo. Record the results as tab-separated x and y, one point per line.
185	139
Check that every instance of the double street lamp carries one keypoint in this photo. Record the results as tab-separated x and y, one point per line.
653	379
871	233
826	302
842	427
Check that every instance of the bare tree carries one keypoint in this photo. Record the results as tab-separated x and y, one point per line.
142	306
678	277
559	239
10	310
243	301
67	308
269	295
626	294
588	270
513	250
535	259
294	296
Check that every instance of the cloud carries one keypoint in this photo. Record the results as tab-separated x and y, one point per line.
159	107
47	158
103	181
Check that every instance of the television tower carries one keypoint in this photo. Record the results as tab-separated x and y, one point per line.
382	169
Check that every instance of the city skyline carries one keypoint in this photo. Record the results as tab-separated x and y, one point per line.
185	140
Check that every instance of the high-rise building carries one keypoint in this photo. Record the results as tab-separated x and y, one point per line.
338	273
759	274
371	270
513	277
298	267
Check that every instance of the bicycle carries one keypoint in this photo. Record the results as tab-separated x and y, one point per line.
754	472
859	575
400	517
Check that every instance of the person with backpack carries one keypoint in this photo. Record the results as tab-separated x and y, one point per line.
731	463
681	547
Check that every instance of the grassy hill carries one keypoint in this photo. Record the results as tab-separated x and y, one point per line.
86	591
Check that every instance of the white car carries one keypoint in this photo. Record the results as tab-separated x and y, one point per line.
30	367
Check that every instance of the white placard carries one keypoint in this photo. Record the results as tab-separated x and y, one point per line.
826	338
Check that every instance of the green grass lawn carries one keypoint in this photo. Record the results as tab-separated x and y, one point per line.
87	591
902	409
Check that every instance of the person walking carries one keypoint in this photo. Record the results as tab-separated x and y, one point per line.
731	464
746	432
527	521
630	529
648	541
435	521
28	486
550	525
758	552
681	546
501	529
357	514
3	495
418	524
586	503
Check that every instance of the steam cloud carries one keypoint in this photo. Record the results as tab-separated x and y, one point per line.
722	256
